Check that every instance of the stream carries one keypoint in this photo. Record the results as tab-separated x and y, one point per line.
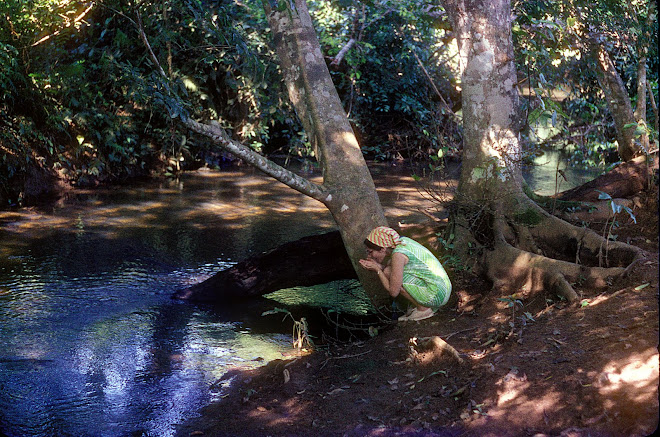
91	343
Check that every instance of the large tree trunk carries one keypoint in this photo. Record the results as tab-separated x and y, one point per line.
521	247
352	200
348	190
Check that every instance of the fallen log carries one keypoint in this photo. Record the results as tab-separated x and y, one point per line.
624	180
312	260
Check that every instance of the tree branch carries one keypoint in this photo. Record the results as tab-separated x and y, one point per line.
435	88
68	24
287	177
218	135
337	60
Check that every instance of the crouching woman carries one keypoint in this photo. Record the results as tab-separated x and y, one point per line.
407	268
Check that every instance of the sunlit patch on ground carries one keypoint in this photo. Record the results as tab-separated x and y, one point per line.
635	379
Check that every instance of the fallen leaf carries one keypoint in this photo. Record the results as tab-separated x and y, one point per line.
287	375
641	287
335	391
394	381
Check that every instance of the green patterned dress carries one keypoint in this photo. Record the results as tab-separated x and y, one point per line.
424	278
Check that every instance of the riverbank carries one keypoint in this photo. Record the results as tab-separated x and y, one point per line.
545	368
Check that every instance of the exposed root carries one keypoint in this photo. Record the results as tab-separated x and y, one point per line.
439	348
563	288
585	243
525	239
551	255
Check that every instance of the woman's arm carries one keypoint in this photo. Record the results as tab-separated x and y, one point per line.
394	281
391	276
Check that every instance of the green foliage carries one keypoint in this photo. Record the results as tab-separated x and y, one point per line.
528	217
552	52
610	224
382	80
80	96
98	111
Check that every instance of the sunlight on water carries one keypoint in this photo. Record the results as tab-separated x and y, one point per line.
545	178
91	342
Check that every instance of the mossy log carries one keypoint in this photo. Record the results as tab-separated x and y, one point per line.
312	260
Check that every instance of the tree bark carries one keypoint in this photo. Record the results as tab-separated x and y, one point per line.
348	190
352	200
642	82
521	248
640	108
617	99
654	106
624	180
491	115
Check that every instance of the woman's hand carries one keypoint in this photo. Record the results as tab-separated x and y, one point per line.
369	264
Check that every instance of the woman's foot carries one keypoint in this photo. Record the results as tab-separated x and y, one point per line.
417	315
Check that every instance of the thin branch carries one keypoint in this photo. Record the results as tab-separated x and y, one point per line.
653	105
351	42
145	41
337	60
435	88
69	24
287	177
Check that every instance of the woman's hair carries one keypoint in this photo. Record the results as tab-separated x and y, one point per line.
371	245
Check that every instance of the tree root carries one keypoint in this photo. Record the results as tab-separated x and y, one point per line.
524	258
438	347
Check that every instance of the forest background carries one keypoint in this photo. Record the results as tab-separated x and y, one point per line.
82	103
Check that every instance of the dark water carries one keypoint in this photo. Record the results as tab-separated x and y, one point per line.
91	344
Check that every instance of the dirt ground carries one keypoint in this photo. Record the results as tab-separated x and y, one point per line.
589	369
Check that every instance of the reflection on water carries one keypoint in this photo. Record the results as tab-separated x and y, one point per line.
547	172
91	342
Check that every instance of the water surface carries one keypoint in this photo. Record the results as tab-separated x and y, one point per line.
91	342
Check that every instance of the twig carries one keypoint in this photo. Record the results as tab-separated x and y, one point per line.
343	357
69	24
435	88
459	332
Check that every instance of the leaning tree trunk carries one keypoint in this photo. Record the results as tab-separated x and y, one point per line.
522	247
642	83
352	199
348	191
299	263
617	99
